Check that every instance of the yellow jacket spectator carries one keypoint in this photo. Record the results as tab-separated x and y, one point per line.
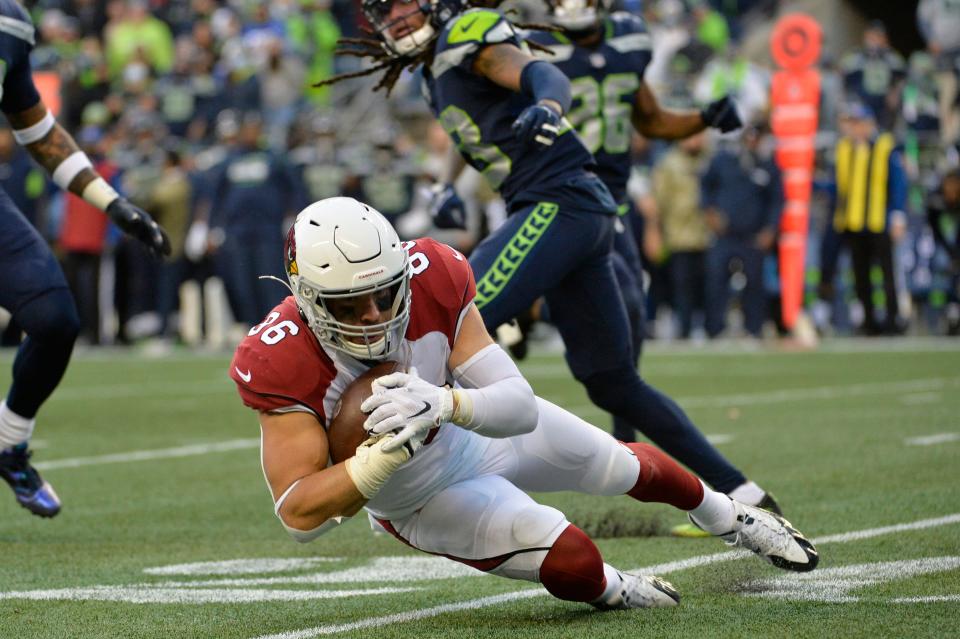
136	31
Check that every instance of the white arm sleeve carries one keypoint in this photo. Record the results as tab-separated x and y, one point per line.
502	404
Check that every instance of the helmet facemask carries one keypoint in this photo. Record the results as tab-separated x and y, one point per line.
577	16
414	39
362	341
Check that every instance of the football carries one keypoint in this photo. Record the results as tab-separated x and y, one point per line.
346	428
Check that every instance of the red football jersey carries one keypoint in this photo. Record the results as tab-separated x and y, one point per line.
281	365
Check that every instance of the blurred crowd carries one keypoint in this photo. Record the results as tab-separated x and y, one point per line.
204	112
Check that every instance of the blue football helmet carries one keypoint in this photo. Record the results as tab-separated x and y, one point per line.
408	27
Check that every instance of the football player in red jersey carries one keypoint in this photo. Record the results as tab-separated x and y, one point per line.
360	296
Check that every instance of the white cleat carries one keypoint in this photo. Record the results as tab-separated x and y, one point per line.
772	538
642	591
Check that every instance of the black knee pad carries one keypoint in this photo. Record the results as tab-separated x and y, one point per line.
51	316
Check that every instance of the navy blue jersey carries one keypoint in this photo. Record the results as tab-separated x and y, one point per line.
604	80
478	115
17	92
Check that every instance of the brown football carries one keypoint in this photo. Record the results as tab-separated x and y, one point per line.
346	428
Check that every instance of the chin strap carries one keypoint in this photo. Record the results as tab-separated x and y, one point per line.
277	279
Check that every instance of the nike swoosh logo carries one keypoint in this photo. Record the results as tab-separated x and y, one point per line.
426	407
466	27
244	376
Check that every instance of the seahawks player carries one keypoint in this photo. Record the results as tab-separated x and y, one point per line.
32	286
605	55
505	111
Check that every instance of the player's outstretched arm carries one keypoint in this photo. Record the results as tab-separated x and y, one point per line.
55	150
310	497
653	121
495	400
505	64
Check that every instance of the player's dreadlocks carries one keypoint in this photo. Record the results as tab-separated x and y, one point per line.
393	65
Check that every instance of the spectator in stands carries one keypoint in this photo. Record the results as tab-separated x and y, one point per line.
135	31
742	199
943	215
169	200
939	22
874	75
676	188
252	193
870	193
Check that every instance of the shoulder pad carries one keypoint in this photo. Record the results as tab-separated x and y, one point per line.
629	34
464	36
477	25
15	20
624	23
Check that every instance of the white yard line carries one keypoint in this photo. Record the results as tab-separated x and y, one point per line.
930	440
159	453
915	399
929	599
745	399
659	569
148	594
803	394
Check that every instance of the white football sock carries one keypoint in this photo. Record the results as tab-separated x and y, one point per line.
611	594
716	513
748	493
14	429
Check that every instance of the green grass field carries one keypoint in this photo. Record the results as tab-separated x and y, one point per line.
157	464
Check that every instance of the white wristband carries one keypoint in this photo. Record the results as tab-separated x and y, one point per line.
36	131
70	168
100	194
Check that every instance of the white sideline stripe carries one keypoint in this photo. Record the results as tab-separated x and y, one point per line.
660	569
719	438
930	440
241	566
393	569
928	599
142	455
148	594
802	394
837	584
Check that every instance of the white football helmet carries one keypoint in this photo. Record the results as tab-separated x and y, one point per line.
340	248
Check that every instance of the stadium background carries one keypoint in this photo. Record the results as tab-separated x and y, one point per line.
161	92
167	528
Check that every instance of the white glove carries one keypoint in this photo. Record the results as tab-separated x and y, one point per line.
403	402
372	465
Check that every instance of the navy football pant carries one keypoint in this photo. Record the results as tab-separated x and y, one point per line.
565	255
629	272
34	290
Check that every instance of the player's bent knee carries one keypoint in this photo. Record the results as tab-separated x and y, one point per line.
50	317
614	390
573	568
534	531
612	470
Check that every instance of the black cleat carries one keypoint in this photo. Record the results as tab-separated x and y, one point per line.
31	491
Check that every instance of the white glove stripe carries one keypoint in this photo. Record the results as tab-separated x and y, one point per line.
549	128
544	140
